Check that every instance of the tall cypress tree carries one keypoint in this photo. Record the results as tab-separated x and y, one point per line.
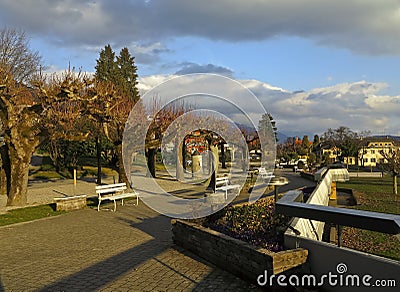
121	72
106	68
127	74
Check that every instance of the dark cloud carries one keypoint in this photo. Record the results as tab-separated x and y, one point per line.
189	68
369	26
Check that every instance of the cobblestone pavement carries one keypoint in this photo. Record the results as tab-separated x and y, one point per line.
86	250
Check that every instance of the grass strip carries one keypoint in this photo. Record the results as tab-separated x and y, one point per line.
373	194
28	214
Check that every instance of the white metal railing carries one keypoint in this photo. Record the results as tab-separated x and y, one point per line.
314	229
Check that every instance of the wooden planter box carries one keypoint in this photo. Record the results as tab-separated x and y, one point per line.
70	203
233	255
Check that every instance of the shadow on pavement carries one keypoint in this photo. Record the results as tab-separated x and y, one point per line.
1	286
110	269
215	278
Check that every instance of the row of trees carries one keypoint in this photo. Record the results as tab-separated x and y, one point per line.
59	110
73	113
343	138
347	142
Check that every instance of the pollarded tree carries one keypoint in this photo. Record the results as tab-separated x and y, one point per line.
111	106
65	124
21	113
392	164
166	118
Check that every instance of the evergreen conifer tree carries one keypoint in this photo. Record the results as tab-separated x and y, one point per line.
127	74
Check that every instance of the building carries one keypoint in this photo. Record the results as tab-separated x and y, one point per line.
351	160
333	153
371	149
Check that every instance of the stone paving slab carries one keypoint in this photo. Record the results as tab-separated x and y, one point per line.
86	250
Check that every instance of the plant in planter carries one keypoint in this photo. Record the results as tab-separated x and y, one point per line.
257	224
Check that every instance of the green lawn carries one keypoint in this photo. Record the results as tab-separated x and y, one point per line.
373	194
28	214
370	185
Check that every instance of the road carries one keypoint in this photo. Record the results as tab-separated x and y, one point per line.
295	180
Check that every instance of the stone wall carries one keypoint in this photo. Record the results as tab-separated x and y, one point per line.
70	203
233	255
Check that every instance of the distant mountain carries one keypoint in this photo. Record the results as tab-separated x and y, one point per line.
281	137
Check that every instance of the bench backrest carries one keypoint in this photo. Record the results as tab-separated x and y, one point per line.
104	189
219	181
263	172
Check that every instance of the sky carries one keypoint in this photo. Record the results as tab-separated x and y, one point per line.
314	64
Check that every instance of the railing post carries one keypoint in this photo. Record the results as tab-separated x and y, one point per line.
333	191
339	235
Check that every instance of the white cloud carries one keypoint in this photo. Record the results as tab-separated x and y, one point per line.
146	83
356	105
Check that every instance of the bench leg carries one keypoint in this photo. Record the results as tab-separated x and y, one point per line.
115	205
137	200
98	206
122	202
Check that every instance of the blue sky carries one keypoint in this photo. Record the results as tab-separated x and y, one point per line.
344	55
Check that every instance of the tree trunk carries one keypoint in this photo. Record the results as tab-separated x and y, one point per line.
223	160
19	171
98	148
179	161
5	171
151	161
213	166
183	155
395	183
122	177
245	158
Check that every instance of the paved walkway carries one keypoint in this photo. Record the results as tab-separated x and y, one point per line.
86	250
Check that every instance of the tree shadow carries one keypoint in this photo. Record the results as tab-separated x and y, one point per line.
1	286
213	281
110	269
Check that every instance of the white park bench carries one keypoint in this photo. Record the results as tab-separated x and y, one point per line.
224	184
262	172
115	192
